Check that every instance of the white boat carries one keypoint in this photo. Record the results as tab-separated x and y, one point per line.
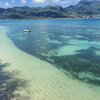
26	30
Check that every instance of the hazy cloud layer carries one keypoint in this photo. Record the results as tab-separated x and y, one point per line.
11	3
55	2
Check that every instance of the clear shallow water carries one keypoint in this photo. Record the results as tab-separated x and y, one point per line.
76	43
73	45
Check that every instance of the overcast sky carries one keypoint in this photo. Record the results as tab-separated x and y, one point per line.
11	3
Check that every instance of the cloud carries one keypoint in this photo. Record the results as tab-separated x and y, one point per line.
39	1
65	1
24	1
13	1
7	4
56	2
50	2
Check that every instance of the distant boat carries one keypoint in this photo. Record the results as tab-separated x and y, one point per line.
26	30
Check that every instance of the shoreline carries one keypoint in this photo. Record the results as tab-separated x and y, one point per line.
55	19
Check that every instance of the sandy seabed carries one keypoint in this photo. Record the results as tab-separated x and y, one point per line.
46	82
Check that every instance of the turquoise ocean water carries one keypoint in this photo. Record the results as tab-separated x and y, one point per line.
74	42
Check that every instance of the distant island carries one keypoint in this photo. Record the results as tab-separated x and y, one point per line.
84	9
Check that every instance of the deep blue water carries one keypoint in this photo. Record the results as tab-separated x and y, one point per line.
71	44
